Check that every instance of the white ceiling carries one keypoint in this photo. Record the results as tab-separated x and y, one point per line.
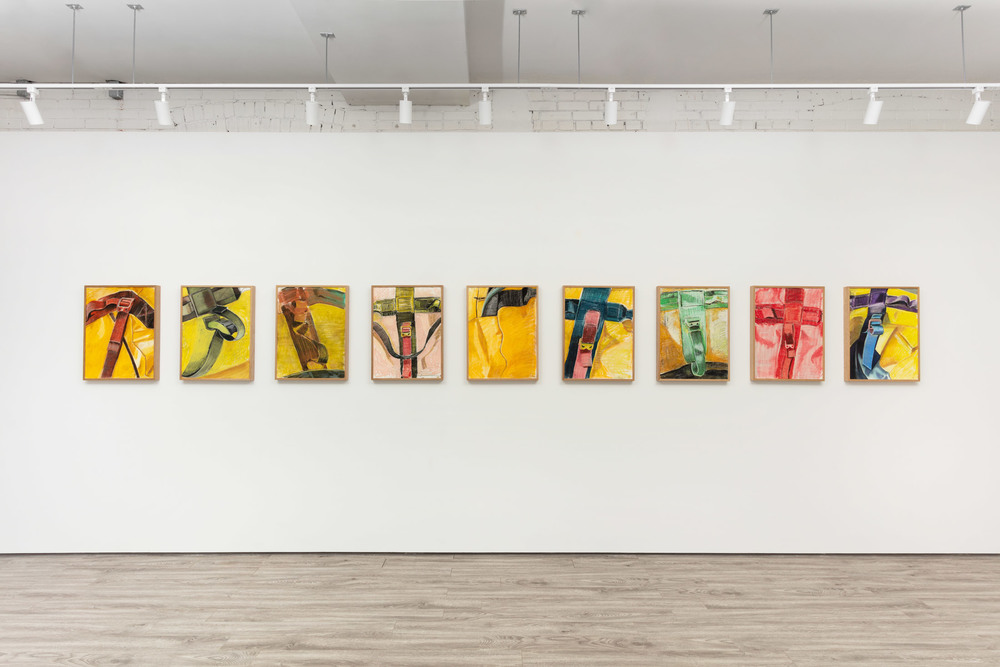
456	41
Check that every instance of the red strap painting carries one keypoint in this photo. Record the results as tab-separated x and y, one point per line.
585	355
791	315
406	349
119	306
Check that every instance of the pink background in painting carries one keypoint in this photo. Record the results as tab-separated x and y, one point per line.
429	363
767	339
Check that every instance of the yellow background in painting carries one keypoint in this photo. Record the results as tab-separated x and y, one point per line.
139	339
613	355
234	359
330	323
899	345
515	327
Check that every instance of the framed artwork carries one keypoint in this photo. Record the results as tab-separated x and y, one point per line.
121	331
788	333
693	333
407	333
882	334
217	333
598	333
502	333
310	341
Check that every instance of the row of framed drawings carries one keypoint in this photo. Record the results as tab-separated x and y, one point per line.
881	324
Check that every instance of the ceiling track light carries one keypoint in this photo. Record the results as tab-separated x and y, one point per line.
405	108
874	107
312	108
979	108
162	106
29	106
485	108
728	109
611	108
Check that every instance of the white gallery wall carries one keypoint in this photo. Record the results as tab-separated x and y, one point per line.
455	466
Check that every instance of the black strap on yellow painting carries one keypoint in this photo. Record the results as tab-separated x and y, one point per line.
503	297
209	304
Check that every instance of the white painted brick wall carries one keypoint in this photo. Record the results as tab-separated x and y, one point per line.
545	110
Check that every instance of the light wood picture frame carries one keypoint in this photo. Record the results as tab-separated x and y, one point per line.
788	333
693	334
501	333
407	333
598	341
311	333
882	334
217	333
121	333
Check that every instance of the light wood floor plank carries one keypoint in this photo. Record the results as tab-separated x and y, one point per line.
505	610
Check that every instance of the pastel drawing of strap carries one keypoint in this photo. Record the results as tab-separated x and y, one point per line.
294	303
876	300
589	313
502	297
405	308
792	315
209	304
882	298
420	304
691	307
119	306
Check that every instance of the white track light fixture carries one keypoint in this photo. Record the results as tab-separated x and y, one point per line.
405	108
163	116
979	108
30	107
485	108
312	108
728	109
610	108
874	107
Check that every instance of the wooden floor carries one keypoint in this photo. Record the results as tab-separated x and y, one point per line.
499	610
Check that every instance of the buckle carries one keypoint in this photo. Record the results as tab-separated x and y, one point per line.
406	331
586	346
202	301
875	327
788	339
125	303
693	325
